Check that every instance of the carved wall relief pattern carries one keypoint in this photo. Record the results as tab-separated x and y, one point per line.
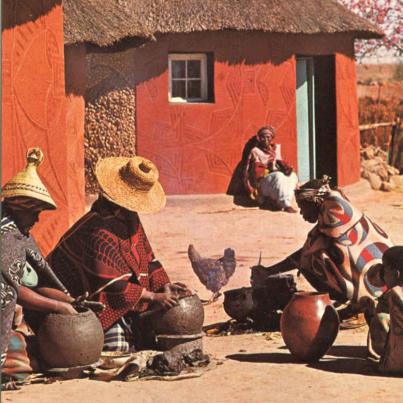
348	142
197	146
34	105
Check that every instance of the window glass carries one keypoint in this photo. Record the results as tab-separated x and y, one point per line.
178	68
179	89
194	68
194	89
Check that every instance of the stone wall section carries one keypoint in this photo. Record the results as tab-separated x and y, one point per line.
109	109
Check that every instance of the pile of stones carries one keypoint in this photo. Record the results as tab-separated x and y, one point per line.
377	171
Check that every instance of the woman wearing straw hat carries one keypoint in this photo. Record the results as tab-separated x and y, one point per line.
23	269
107	254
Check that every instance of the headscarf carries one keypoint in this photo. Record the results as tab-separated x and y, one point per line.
314	191
23	203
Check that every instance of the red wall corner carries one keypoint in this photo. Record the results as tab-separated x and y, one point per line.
34	108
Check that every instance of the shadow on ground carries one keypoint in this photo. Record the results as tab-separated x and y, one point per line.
339	359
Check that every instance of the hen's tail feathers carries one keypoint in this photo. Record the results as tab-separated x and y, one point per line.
193	254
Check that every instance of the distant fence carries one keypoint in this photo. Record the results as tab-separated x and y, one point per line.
388	136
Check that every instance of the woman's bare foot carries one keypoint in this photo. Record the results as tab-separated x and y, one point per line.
290	209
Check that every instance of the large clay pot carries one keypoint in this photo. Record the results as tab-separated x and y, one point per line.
185	318
67	341
239	303
309	325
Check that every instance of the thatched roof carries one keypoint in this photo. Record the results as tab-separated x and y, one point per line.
104	22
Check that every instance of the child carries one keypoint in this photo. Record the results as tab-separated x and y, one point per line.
390	274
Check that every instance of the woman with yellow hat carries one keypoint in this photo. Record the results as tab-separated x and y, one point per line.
107	254
23	268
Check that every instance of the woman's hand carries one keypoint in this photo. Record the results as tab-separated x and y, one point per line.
176	288
165	299
65	308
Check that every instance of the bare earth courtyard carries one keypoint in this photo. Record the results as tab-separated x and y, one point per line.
256	368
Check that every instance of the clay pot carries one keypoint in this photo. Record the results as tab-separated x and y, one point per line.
70	340
309	325
185	318
239	303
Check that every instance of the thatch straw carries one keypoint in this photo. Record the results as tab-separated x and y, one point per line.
104	22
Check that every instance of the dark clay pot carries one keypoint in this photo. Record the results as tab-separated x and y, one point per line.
185	318
239	303
70	340
309	325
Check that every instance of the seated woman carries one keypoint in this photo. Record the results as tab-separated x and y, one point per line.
267	178
107	253
23	269
339	250
386	327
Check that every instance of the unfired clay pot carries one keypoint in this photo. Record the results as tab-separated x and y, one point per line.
239	303
67	341
309	325
185	318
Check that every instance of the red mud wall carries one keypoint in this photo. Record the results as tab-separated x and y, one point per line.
348	136
35	107
197	146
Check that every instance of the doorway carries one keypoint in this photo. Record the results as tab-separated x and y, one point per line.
316	118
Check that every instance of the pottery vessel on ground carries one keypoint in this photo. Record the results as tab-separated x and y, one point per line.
309	325
185	318
70	340
239	303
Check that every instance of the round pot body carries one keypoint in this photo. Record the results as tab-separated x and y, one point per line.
239	303
309	325
70	340
185	318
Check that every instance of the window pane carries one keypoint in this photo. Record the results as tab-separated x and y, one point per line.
194	89
178	69
194	67
178	89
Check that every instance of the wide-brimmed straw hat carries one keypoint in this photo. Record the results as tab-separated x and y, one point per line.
132	183
27	182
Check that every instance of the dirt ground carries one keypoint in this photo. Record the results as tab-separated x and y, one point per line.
256	367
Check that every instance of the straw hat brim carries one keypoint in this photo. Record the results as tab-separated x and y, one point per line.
374	275
124	195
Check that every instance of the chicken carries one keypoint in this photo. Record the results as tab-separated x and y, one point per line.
213	273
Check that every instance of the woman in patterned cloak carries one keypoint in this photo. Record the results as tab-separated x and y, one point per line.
107	253
338	251
23	268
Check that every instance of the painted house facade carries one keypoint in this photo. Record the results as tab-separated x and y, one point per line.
186	84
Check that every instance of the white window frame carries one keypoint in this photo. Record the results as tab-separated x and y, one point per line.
203	76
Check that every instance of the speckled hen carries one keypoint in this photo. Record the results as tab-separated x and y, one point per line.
213	273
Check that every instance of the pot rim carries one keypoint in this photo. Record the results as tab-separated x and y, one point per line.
237	290
180	336
80	311
310	293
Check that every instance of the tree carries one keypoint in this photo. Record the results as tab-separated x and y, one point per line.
387	15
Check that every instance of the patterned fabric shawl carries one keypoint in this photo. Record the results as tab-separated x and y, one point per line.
19	253
101	247
341	248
